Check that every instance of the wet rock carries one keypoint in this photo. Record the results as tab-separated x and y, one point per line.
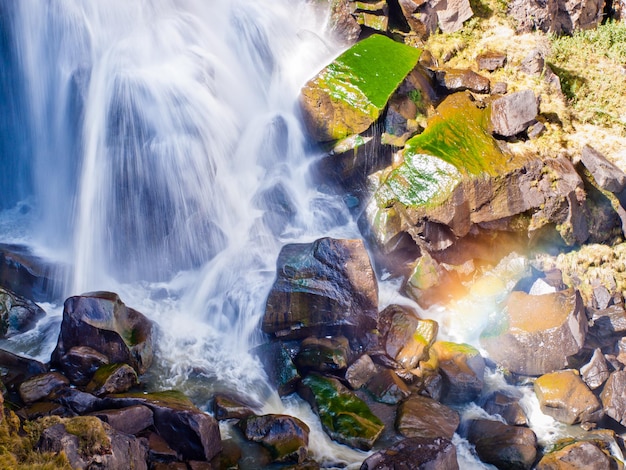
564	396
130	420
361	371
420	416
331	115
345	417
279	366
229	408
556	16
323	288
78	401
513	113
101	321
112	378
584	455
342	25
613	397
17	314
387	387
42	386
491	60
41	409
286	437
16	369
511	447
537	333
463	370
508	407
81	362
606	174
454	80
596	371
323	354
417	453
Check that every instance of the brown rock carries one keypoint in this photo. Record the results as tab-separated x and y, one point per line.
596	371
613	397
81	362
229	408
361	371
463	370
511	447
452	14
454	80
387	387
579	455
113	378
490	60
416	453
606	174
420	416
513	113
42	386
507	407
129	420
286	437
323	354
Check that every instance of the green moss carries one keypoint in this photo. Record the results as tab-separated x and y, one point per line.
92	437
168	398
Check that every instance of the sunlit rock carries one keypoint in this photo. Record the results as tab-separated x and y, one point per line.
613	396
454	80
502	445
417	453
342	25
535	334
564	396
420	416
586	454
596	371
463	371
556	16
513	113
17	314
373	14
322	288
286	437
101	321
490	60
345	417
350	93
608	175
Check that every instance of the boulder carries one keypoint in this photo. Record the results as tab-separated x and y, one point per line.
371	14
345	417
387	387
419	453
513	113
327	287
420	16
112	378
420	416
130	420
613	397
534	63
361	371
17	314
81	362
535	334
578	455
16	369
229	408
286	437
596	371
279	367
455	80
606	174
452	13
463	370
491	60
556	16
502	445
347	97
323	354
564	396
42	386
507	407
101	321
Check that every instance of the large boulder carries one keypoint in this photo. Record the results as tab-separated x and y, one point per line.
17	314
536	334
556	16
349	94
581	455
322	288
101	321
419	453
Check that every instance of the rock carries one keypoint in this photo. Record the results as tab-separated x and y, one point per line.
81	362
420	16
463	370
42	386
159	449
491	60
101	321
601	297
323	354
420	416
279	366
130	420
510	447
564	396
454	80
507	407
77	401
535	130
556	16
112	378
326	287
361	371
89	443
229	408
346	97
596	371
606	174
452	14
499	88
286	437
417	453
17	314
341	24
578	455
513	113
387	387
608	324
345	417
536	334
533	63
16	369
371	14
613	397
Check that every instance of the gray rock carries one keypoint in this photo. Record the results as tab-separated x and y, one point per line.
499	88
130	420
17	314
596	371
513	113
42	386
286	437
607	175
507	407
613	397
533	63
418	453
556	16
361	371
452	13
491	60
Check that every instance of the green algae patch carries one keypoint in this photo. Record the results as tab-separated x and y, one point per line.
349	94
345	417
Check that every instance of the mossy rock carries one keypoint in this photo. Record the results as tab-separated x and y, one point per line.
349	94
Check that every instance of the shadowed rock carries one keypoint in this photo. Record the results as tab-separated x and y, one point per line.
286	437
417	453
613	397
510	447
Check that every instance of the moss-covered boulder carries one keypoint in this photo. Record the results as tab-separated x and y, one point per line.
349	94
344	416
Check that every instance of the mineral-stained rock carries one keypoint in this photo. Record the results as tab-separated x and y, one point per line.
513	113
17	314
507	407
279	366
80	363
41	386
323	354
350	93
564	396
345	417
537	333
596	371
101	321
128	420
454	80
463	370
511	447
323	288
578	455
613	396
420	416
418	453
112	378
286	437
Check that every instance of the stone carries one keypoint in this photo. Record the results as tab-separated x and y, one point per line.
229	408
346	98
507	407
78	401
601	297
16	369
387	387
112	378
556	16
42	386
613	397
81	362
491	60
345	418
536	334
606	174
513	113
286	437
533	63
101	321
499	88
323	354
327	287
418	453
578	455
452	14
502	445
130	420
361	371
608	323
17	314
341	24
596	371
279	366
564	396
535	130
462	369
455	80
420	416
159	449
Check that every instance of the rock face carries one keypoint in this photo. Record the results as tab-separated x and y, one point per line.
512	114
349	94
537	333
556	16
417	453
324	287
101	321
